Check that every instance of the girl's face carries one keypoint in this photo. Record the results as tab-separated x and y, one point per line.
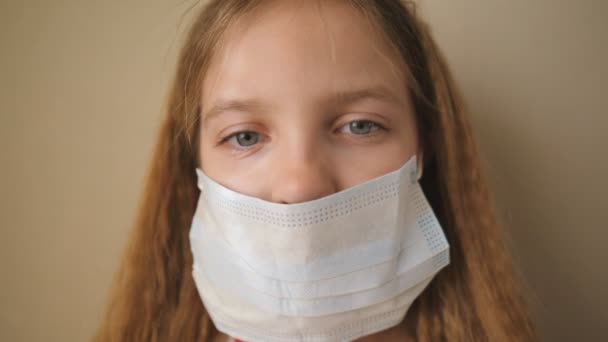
303	100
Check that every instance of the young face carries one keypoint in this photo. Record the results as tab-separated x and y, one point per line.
303	100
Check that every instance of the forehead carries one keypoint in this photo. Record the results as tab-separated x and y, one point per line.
302	49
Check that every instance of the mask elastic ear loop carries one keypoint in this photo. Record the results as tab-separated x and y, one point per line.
199	183
419	165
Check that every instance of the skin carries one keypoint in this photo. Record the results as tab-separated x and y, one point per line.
287	111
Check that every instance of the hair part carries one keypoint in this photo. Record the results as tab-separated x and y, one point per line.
478	297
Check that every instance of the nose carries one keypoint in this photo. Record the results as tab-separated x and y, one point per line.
302	179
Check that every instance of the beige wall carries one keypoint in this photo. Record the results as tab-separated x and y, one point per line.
81	89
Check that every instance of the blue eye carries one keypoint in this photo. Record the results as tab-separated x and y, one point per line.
245	139
362	127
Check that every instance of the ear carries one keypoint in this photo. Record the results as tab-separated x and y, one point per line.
419	164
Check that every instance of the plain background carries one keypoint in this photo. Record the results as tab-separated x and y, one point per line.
82	85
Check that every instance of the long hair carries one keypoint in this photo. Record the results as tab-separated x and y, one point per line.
478	297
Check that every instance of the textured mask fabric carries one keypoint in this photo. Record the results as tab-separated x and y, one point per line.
333	269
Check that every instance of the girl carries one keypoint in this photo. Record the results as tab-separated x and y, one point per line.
315	179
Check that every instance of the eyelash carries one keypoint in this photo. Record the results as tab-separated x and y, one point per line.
376	127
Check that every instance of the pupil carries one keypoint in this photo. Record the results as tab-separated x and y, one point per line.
360	127
246	138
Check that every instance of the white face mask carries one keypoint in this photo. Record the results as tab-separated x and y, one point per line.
333	269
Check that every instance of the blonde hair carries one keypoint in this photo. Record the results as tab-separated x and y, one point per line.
478	297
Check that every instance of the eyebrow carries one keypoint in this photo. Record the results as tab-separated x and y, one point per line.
245	105
378	93
340	98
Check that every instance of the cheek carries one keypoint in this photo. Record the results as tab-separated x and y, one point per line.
361	166
245	176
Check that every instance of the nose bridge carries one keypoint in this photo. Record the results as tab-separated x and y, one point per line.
303	171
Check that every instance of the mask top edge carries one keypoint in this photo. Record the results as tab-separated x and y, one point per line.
406	172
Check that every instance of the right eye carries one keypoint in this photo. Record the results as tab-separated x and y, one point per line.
243	139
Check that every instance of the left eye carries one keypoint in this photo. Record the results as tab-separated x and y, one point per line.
360	127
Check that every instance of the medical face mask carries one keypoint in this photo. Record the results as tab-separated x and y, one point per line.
332	269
